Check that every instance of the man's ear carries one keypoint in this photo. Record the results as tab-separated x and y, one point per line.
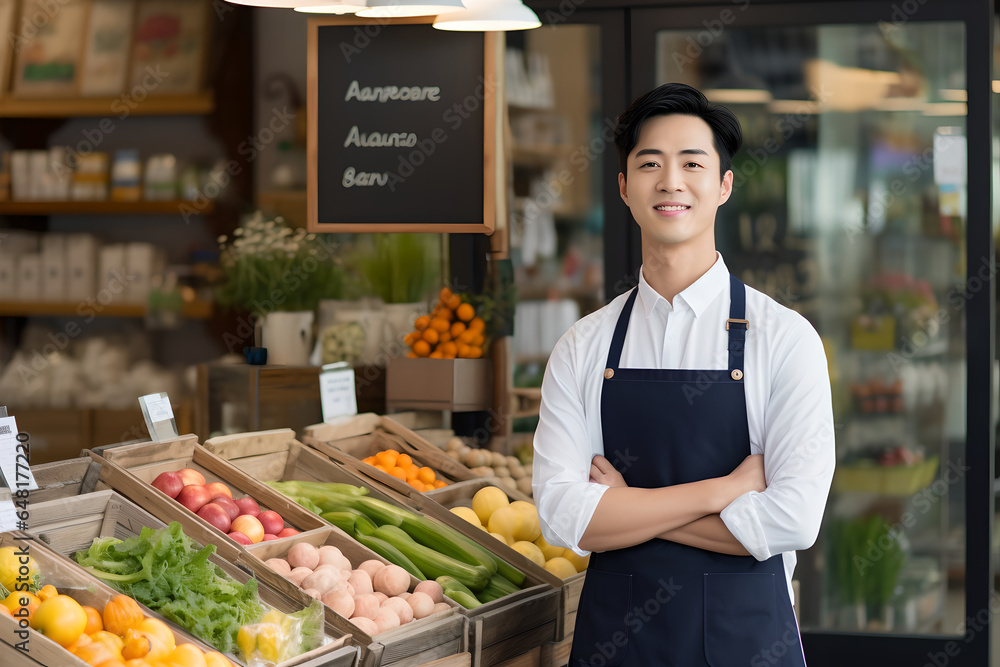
622	188
727	187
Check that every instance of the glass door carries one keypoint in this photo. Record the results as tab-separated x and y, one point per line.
851	205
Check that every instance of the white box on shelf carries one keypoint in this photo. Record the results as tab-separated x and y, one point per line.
18	242
29	277
142	261
8	276
54	267
20	177
113	277
81	266
39	176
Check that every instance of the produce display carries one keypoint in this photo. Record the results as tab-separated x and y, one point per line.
510	470
241	519
451	331
376	597
402	466
468	573
516	525
119	634
167	571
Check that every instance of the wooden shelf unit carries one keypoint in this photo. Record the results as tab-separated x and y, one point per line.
191	309
106	207
163	105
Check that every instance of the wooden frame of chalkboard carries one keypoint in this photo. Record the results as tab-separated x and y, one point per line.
403	127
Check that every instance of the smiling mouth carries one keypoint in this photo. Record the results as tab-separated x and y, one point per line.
671	208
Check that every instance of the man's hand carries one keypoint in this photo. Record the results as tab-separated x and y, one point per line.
602	472
748	476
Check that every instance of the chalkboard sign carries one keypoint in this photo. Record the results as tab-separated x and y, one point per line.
402	127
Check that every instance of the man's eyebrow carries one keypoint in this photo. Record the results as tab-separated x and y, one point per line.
656	151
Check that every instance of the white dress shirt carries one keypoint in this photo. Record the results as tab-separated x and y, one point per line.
789	411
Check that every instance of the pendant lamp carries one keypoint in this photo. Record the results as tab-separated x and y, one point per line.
283	4
488	15
343	7
406	8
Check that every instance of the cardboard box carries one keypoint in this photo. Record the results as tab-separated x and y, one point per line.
458	385
54	278
29	277
112	280
142	262
81	266
8	275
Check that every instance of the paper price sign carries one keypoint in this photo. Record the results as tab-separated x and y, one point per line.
337	392
14	458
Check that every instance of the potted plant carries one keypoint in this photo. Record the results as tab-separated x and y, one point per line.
279	274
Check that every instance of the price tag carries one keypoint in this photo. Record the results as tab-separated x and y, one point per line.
159	407
8	515
950	157
159	416
14	458
337	391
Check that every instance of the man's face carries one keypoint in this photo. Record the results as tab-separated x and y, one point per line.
673	186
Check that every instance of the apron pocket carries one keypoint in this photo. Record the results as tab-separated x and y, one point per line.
601	634
740	618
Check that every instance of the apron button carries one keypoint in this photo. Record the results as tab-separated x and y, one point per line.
737	374
609	373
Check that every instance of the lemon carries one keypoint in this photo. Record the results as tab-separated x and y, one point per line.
467	514
504	521
548	550
528	528
500	537
579	562
486	501
560	567
529	551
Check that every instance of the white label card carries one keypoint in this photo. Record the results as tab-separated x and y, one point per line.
8	515
14	458
159	408
337	393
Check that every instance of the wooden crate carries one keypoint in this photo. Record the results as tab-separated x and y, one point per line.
460	495
351	441
61	479
130	470
439	636
500	629
71	524
72	580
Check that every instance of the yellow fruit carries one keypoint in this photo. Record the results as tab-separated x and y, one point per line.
560	567
486	501
467	514
579	562
186	655
61	619
529	551
160	630
10	569
500	537
216	659
528	528
504	521
548	550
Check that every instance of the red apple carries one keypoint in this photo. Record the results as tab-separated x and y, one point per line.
268	538
216	515
194	497
219	489
232	509
287	532
248	506
191	476
169	482
239	537
272	522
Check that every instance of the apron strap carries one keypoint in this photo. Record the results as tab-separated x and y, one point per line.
737	325
618	341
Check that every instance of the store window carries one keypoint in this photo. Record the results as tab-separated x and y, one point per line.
849	207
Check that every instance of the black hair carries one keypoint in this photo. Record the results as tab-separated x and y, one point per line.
679	98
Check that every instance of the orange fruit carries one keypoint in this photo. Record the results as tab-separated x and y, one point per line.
449	348
465	312
387	457
435	355
468	336
473	352
445	293
453	301
370	460
94	620
82	640
478	324
412	355
412	470
411	338
404	460
93	653
186	655
444	337
478	340
421	348
216	659
440	324
113	643
426	475
418	485
46	592
457	328
382	467
439	483
431	336
398	472
421	322
463	350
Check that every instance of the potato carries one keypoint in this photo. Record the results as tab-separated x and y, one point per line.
298	574
455	456
508	483
403	610
482	471
432	589
454	444
371	567
366	625
512	461
421	604
330	555
303	554
517	472
366	605
386	619
279	565
323	580
380	596
340	601
501	471
361	582
391	580
498	460
524	485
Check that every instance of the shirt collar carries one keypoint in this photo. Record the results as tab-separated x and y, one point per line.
697	296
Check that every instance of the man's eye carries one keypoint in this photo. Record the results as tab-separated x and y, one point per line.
692	164
648	164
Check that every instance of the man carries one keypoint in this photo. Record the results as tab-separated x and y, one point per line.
698	389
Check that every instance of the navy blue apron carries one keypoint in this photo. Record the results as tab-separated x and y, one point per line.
661	603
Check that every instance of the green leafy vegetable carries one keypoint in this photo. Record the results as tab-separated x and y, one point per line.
166	571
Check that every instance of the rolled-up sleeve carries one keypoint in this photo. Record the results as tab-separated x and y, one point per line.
799	453
565	497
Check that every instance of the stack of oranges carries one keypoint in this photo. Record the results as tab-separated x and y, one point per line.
402	466
452	330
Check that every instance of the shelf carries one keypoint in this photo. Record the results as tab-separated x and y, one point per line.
191	310
106	207
117	107
538	155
